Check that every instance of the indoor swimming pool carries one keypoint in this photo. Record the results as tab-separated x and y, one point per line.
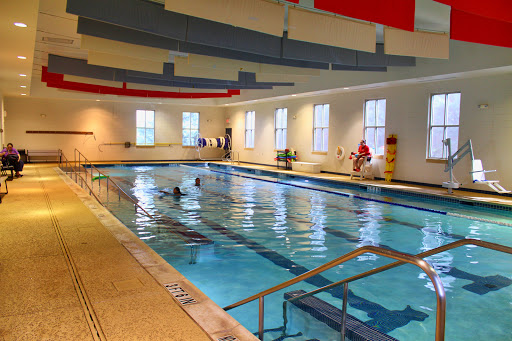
242	232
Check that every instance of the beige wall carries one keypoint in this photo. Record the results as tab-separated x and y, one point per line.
110	122
406	116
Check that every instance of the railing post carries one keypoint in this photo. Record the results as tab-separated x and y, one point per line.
261	317
90	165
344	311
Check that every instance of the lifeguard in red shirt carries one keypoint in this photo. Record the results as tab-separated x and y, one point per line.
362	152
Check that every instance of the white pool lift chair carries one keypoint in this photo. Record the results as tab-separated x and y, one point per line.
478	173
477	170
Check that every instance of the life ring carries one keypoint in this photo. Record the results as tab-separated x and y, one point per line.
340	153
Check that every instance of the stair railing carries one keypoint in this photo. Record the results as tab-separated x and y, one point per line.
402	259
68	165
78	168
79	158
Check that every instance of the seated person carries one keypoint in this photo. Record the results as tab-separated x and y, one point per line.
198	182
362	152
11	157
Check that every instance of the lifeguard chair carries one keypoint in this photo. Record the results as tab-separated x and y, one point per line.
366	171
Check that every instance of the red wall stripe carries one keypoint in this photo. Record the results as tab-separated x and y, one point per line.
56	80
395	13
495	9
476	29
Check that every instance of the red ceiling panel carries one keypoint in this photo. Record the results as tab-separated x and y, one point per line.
56	80
477	29
394	13
495	9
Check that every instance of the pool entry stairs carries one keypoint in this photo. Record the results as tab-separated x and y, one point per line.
355	329
349	327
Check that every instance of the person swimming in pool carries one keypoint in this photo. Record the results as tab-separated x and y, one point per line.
176	191
198	182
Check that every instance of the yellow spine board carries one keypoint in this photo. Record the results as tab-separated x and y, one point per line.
390	157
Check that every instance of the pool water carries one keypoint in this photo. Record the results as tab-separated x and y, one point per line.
235	236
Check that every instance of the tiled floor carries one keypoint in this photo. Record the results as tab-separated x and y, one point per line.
71	271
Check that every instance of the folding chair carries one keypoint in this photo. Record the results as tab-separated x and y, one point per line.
478	174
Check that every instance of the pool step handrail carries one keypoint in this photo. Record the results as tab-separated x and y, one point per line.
76	171
453	245
64	160
402	257
441	315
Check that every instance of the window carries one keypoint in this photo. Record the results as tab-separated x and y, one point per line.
443	123
280	125
249	129
190	131
375	124
321	128
145	127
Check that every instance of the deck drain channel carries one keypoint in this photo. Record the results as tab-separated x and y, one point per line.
90	316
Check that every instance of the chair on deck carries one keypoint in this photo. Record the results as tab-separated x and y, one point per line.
478	173
366	171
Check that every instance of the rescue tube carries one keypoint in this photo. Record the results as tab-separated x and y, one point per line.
390	157
340	153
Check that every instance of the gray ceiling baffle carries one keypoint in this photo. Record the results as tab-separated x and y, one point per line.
79	67
149	24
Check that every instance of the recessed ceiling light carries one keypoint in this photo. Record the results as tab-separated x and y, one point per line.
294	95
23	75
23	86
23	94
22	57
97	100
20	24
346	88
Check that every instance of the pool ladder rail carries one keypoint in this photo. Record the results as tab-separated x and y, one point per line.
77	167
402	258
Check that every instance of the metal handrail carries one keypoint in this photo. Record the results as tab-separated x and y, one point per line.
403	257
484	244
238	156
453	245
91	191
120	190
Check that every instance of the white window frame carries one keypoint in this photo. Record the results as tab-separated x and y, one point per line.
321	129
280	127
191	141
144	127
445	126
250	121
372	140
